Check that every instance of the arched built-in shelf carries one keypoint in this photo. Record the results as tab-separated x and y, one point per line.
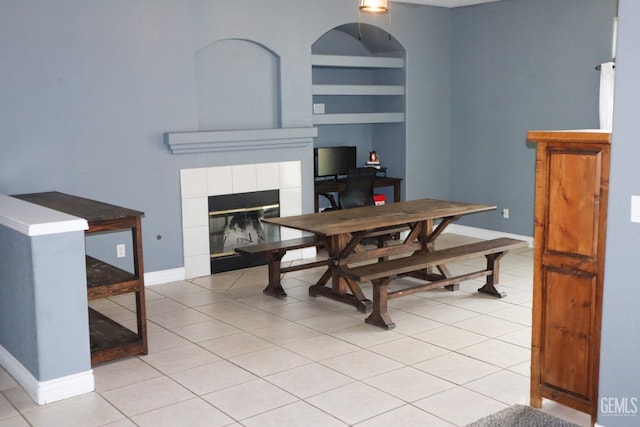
359	94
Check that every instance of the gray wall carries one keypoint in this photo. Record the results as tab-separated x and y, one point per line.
18	333
519	65
619	369
88	89
43	315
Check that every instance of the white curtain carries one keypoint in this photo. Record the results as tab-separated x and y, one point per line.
607	81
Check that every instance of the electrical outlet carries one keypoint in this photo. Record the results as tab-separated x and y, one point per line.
120	252
318	108
505	213
635	208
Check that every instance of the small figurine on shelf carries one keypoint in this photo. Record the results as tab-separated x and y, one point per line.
374	160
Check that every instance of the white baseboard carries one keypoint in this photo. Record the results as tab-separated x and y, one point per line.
481	233
43	392
164	276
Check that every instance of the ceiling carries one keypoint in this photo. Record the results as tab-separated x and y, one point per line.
445	3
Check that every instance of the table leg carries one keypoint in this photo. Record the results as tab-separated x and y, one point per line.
433	234
339	285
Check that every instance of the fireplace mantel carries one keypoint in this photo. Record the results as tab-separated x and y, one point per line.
238	140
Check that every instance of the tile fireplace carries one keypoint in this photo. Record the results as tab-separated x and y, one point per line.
199	184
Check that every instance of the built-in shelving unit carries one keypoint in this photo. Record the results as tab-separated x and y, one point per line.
358	85
348	87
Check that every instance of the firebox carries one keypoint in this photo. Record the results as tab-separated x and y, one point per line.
235	220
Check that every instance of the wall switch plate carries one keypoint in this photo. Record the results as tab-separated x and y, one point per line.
120	252
635	208
318	108
505	213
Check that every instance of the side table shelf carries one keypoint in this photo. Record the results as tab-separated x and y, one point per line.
109	340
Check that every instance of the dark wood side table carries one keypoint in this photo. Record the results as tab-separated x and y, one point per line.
109	339
337	186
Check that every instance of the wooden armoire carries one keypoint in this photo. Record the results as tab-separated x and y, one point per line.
572	181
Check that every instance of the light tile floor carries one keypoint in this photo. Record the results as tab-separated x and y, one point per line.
223	354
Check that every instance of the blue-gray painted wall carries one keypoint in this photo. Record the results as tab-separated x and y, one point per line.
89	88
519	65
44	321
18	333
619	403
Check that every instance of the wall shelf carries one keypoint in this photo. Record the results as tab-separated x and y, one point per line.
357	118
373	90
348	61
235	140
358	85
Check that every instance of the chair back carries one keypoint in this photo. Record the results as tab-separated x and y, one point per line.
359	188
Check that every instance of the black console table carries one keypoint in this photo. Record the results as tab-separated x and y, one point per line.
337	186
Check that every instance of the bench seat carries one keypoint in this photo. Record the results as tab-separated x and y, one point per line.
274	252
420	264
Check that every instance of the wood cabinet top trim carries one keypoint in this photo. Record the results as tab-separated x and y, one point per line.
588	135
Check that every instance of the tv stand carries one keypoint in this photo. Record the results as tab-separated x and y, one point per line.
337	186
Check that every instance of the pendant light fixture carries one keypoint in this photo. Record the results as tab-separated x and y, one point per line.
374	6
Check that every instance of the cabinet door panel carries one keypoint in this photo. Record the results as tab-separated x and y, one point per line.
572	181
567	329
572	208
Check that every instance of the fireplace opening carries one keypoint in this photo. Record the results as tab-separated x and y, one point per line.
235	220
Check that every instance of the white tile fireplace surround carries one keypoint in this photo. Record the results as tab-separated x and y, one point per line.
200	183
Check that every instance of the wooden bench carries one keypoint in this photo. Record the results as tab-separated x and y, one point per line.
274	252
419	265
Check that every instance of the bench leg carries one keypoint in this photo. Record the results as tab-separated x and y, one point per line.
446	273
380	316
493	264
274	288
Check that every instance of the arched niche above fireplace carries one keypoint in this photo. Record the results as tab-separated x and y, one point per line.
238	86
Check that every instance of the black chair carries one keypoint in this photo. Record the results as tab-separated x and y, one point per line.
358	190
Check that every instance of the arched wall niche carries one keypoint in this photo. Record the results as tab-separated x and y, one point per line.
359	75
351	38
238	86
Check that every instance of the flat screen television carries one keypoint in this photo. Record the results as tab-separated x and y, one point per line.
334	161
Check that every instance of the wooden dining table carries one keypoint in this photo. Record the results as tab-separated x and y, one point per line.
343	232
